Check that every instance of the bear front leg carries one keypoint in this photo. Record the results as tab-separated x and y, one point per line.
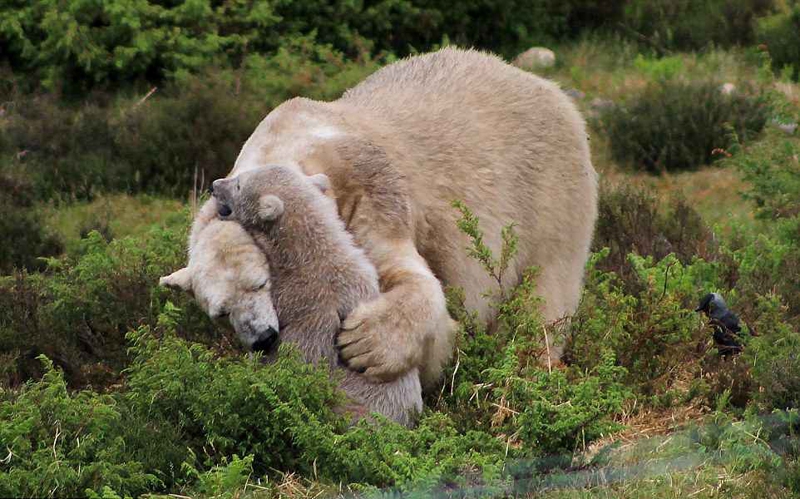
388	336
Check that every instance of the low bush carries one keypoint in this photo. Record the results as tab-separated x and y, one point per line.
78	46
631	220
60	444
772	168
771	261
26	239
653	332
774	357
65	153
693	24
77	313
500	382
194	126
189	412
781	35
675	125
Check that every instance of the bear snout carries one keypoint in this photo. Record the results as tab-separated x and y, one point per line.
266	341
224	210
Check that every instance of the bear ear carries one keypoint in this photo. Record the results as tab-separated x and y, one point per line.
270	208
181	279
322	182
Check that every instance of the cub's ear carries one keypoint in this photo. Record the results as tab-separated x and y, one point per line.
270	208
321	181
180	279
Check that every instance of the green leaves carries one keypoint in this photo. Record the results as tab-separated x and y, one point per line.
678	125
60	444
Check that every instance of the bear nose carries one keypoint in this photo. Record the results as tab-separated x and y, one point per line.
266	342
224	210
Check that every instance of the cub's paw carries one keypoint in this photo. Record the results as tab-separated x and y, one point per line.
377	340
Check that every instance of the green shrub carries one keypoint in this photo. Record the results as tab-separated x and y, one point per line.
774	356
659	69
771	260
631	220
82	45
499	382
194	126
652	332
65	153
220	406
25	237
76	154
60	444
772	169
197	129
781	34
78	312
694	24
676	125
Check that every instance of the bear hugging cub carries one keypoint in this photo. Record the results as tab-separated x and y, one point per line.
318	275
397	149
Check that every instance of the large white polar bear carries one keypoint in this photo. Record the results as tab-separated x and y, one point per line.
398	149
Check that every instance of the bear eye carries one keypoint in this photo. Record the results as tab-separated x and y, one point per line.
219	314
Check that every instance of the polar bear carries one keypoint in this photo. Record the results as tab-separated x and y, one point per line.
398	149
318	274
229	276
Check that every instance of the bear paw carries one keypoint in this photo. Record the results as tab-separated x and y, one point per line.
378	340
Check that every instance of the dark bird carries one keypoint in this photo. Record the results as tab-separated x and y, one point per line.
725	323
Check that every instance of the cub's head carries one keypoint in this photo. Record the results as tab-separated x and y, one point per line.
259	197
229	277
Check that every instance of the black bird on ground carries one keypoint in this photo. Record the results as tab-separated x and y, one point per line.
725	323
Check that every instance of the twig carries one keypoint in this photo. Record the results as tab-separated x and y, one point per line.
193	200
547	345
55	441
455	370
661	50
147	96
666	280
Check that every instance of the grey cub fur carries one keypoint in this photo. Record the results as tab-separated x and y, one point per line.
318	275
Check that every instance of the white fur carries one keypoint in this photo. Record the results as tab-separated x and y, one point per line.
399	147
228	274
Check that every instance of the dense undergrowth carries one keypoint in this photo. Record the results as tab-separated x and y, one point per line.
182	414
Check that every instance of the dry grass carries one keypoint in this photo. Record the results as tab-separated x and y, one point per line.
122	214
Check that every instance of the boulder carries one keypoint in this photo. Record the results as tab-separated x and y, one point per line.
535	58
727	88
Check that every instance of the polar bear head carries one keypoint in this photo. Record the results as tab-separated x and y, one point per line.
229	276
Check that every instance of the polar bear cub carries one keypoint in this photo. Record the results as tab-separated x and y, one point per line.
318	275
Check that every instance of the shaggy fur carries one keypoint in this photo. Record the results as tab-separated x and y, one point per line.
398	148
318	274
228	275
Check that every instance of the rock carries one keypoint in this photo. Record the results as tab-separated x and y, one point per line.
598	106
727	89
787	128
535	58
575	94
